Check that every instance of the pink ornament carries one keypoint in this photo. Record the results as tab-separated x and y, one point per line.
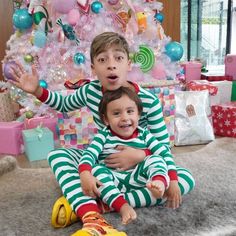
63	6
61	36
158	71
136	74
113	2
73	17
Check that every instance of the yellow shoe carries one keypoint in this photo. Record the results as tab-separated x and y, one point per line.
95	225
62	214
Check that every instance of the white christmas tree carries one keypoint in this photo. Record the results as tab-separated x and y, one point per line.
56	36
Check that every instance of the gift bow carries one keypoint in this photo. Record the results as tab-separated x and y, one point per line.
39	131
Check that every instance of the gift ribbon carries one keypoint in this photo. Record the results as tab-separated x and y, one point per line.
39	131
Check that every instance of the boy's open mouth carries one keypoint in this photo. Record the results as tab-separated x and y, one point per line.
112	77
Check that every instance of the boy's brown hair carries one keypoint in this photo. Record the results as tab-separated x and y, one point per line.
111	95
105	40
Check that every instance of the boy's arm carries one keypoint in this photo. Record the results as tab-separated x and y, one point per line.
66	103
156	123
160	149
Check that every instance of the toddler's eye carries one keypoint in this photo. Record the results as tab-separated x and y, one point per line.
116	113
130	111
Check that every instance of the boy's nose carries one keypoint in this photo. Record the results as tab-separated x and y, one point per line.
111	67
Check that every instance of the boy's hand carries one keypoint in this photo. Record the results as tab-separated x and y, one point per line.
173	194
89	184
26	81
125	159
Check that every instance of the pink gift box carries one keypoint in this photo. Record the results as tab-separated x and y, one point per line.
49	122
230	65
11	139
192	70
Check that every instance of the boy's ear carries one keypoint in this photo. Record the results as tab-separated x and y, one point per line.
92	69
129	65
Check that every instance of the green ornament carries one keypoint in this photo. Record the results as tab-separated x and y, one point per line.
28	58
29	114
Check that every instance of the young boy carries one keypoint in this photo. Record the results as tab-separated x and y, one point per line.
120	110
110	64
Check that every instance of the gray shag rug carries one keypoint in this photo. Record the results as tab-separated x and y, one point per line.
27	197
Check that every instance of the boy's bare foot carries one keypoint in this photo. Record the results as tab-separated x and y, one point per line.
127	214
157	188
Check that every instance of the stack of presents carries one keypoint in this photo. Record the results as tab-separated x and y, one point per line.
196	107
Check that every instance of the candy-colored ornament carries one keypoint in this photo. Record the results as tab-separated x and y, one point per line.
174	51
145	57
28	58
73	17
142	21
113	2
29	114
22	19
159	17
7	69
84	5
40	38
96	7
68	31
79	58
63	6
158	71
41	19
43	83
61	36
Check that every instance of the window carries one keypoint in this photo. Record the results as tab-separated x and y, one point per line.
206	27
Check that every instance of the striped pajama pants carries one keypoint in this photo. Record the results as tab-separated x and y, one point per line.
116	184
64	164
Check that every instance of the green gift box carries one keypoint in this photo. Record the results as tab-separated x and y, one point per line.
233	94
38	143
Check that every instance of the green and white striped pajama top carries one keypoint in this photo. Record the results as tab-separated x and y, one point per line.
65	162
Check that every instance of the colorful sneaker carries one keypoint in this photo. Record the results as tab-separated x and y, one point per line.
95	225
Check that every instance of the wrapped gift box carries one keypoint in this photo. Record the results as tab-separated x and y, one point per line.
199	85
6	107
192	70
11	141
215	77
165	91
76	129
38	143
224	92
224	119
49	122
230	65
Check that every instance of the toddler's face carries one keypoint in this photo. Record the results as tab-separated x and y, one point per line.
111	67
122	116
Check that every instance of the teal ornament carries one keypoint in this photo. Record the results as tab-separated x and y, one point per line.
159	17
43	83
96	7
79	58
166	91
40	38
22	19
174	51
68	31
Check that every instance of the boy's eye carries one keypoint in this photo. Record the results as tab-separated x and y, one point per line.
119	58
101	59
